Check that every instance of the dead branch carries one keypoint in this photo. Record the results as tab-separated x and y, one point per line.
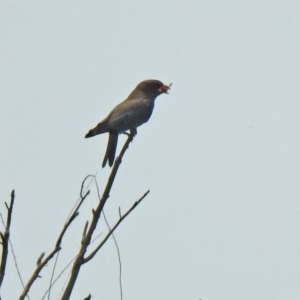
63	270
5	237
56	279
76	207
36	272
42	262
85	260
95	218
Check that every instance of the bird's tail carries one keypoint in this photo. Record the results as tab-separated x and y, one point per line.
102	127
111	149
90	133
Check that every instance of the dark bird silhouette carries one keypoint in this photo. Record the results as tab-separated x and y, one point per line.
134	111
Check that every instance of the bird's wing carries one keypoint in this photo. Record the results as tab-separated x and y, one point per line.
130	114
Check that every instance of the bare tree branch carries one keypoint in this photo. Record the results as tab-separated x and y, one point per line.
81	191
76	207
5	237
36	272
87	298
85	260
56	279
96	216
88	231
73	216
42	262
63	270
14	256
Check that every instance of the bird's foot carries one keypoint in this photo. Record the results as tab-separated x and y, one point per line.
133	131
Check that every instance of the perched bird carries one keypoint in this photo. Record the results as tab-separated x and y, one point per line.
128	115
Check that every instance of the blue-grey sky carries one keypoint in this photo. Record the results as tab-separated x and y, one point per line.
220	154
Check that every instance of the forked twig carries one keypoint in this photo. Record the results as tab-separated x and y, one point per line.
89	257
43	261
76	207
5	237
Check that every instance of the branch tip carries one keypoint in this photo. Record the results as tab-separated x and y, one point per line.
40	259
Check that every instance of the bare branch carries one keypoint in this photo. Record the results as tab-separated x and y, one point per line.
14	256
85	260
73	216
41	262
81	191
5	237
87	298
56	279
96	216
40	258
82	185
63	270
35	274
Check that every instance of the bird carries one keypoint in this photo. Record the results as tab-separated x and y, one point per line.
134	111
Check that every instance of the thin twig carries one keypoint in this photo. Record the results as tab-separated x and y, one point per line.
64	269
36	272
57	248
86	259
84	230
14	256
81	190
59	275
40	258
52	274
119	257
75	208
16	264
5	237
83	182
73	216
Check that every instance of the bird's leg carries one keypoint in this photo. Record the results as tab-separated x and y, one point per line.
133	131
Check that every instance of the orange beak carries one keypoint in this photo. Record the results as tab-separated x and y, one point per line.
165	88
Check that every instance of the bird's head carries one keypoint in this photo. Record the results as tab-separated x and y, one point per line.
154	87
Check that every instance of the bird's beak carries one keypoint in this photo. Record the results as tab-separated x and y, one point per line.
165	88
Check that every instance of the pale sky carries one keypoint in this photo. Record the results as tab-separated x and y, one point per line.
220	153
